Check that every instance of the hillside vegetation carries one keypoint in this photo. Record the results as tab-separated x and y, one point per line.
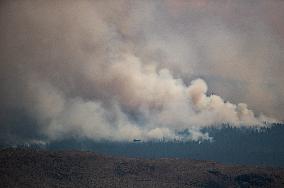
42	168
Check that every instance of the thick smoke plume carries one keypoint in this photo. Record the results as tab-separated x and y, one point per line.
120	70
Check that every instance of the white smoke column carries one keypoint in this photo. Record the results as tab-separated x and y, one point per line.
77	71
166	105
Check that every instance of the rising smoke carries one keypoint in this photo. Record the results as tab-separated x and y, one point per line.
121	70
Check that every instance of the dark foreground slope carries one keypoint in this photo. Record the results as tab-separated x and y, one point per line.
40	168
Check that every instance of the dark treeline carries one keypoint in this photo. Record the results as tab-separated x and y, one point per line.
230	145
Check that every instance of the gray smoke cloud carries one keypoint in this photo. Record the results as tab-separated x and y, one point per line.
136	69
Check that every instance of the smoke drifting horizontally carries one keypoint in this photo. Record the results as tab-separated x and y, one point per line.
98	69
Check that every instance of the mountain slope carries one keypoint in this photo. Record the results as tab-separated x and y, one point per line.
42	168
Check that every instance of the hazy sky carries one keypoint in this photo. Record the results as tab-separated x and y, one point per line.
119	70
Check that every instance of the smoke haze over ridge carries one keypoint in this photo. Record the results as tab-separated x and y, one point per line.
138	69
